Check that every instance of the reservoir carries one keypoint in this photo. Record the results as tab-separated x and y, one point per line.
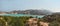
39	16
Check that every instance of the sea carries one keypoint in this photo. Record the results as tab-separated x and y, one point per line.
18	15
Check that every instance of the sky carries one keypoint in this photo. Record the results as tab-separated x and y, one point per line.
9	5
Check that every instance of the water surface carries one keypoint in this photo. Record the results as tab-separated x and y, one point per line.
39	16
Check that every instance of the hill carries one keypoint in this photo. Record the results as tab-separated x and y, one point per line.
33	12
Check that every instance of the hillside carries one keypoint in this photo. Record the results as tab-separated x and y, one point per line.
34	12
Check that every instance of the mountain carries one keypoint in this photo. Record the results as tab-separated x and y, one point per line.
33	12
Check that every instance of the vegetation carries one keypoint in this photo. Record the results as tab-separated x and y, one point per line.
53	19
13	21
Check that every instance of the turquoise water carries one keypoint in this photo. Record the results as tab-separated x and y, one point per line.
39	16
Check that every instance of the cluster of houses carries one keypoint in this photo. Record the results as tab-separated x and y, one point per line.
34	22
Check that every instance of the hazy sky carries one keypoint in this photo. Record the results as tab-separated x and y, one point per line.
8	5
